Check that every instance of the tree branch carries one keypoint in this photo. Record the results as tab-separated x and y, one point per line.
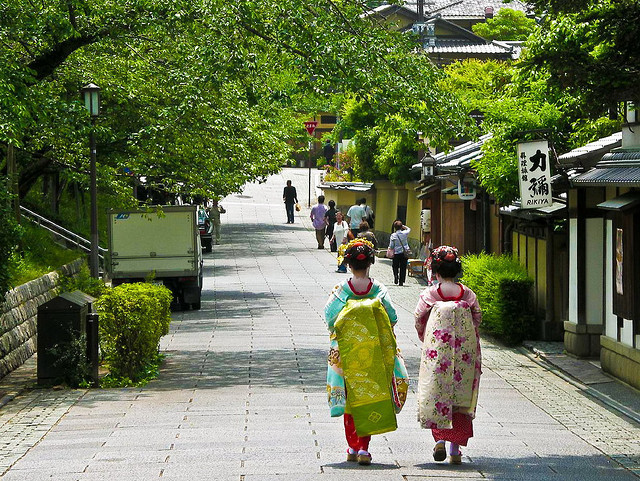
45	64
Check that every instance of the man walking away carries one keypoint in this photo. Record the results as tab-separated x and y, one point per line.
328	151
290	198
317	218
355	215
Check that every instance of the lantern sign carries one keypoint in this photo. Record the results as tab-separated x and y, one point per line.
310	126
534	170
467	188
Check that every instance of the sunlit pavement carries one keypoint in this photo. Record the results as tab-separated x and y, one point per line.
242	394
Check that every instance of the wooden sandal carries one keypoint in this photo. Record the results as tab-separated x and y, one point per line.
439	451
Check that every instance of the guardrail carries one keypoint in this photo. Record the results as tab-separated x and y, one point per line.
72	238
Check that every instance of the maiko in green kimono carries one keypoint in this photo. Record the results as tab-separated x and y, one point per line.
366	376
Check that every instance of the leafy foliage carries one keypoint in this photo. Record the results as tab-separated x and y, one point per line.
133	318
83	281
503	288
71	361
10	234
199	96
508	24
588	49
39	256
518	107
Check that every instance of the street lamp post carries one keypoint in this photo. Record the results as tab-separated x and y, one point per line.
91	93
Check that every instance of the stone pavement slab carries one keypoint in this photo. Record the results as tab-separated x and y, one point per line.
241	395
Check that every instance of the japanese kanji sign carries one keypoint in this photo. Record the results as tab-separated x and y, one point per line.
310	126
534	170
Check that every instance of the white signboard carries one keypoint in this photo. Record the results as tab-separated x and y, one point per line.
467	188
534	170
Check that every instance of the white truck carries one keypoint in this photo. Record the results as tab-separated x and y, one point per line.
161	243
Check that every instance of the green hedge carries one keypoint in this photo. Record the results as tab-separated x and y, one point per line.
504	288
133	318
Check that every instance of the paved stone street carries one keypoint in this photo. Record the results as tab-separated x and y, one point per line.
242	395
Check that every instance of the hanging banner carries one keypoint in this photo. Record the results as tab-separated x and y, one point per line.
534	170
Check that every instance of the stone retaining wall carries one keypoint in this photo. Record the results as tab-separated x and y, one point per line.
18	317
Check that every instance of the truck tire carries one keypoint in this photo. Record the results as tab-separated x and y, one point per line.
196	305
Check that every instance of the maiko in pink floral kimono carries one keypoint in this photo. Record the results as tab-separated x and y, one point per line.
450	367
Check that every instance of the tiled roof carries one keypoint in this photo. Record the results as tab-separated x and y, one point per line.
461	156
352	186
465	8
591	152
621	168
462	46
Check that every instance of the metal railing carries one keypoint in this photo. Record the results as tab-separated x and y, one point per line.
71	238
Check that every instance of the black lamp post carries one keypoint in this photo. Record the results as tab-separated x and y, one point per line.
91	93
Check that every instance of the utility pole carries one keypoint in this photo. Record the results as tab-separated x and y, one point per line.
421	21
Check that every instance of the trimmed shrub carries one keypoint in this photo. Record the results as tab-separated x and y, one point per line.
133	318
503	287
83	281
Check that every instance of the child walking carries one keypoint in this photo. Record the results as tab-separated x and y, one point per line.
447	319
366	378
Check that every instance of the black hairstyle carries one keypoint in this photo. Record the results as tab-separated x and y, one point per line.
332	203
321	199
446	263
359	256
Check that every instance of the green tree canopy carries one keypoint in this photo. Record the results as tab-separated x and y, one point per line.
589	50
201	95
508	24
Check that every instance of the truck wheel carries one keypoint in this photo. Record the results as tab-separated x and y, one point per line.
196	305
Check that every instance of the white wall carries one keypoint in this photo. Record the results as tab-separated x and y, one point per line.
626	332
573	271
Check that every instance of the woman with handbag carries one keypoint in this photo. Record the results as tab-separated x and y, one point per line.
399	251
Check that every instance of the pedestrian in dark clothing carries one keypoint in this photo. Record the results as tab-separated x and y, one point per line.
290	198
328	151
330	219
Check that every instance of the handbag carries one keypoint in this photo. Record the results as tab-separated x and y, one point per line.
297	207
390	253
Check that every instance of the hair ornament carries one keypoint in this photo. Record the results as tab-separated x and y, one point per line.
439	255
355	249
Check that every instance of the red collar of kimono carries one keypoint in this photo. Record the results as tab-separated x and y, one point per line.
451	298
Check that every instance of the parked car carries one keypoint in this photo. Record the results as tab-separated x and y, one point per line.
206	229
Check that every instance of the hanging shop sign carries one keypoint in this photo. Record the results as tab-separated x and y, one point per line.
534	171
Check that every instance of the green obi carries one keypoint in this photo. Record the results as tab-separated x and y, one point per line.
367	351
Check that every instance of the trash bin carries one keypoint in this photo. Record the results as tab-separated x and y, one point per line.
59	321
